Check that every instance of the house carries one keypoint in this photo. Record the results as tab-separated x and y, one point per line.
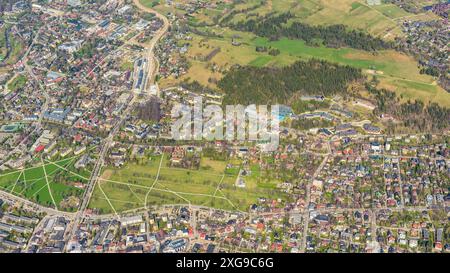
371	128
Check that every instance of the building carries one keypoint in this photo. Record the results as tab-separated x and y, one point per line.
71	47
131	220
74	3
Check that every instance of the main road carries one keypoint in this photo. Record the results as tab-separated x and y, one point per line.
150	55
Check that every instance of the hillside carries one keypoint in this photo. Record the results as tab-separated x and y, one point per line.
214	27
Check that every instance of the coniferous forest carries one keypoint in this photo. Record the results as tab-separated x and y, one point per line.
413	114
275	27
269	85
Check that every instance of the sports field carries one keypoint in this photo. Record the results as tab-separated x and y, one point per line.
49	184
155	183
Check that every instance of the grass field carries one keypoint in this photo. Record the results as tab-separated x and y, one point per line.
17	83
155	183
378	20
17	47
397	71
3	48
127	66
48	184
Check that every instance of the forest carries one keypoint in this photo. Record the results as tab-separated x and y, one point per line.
270	85
414	115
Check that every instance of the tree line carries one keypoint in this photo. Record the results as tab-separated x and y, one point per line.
275	27
269	85
414	115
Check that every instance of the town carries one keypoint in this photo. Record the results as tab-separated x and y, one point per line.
88	163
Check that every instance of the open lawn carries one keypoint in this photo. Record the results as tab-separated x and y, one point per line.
60	177
156	183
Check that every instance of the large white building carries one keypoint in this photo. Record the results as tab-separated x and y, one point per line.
131	220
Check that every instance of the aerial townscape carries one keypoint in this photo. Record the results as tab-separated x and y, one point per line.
88	162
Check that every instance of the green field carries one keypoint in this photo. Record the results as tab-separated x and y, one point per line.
212	185
34	183
17	46
398	72
17	83
356	14
127	66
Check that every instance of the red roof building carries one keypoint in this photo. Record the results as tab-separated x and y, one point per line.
39	148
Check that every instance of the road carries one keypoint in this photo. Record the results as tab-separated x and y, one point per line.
151	47
29	70
108	141
308	200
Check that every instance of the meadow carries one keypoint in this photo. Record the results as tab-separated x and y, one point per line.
16	83
380	20
396	71
17	47
155	183
48	184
